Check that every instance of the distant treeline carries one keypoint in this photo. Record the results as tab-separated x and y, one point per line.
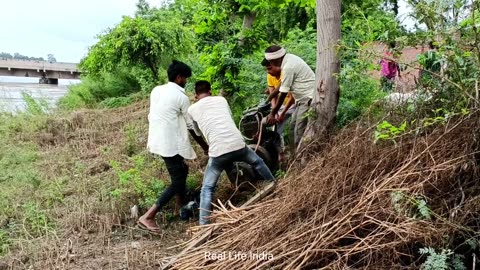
17	56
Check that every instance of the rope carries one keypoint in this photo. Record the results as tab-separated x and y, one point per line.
260	128
259	135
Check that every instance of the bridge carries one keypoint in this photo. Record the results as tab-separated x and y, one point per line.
49	73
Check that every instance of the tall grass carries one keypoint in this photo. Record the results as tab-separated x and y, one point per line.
93	90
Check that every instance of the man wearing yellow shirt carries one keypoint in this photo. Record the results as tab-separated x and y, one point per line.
287	108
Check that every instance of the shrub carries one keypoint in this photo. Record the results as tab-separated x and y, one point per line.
116	102
93	90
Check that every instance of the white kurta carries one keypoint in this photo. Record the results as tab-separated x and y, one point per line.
169	122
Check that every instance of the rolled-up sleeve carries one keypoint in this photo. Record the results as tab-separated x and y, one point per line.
287	80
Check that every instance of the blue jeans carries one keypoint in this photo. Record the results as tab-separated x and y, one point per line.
215	167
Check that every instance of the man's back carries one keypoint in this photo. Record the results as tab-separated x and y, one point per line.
168	134
214	119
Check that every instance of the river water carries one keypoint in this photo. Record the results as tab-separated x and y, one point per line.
11	89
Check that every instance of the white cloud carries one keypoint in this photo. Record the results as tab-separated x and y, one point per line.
65	28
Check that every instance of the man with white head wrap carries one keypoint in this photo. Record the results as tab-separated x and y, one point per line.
299	79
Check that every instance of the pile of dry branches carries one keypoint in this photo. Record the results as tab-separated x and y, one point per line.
340	211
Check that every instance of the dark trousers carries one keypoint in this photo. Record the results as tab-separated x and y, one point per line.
178	170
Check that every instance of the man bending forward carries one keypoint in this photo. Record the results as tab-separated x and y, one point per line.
212	115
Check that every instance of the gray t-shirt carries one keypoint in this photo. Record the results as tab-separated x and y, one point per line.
297	77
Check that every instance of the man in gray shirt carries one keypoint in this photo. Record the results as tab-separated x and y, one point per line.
297	78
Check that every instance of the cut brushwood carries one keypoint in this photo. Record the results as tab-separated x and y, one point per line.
203	237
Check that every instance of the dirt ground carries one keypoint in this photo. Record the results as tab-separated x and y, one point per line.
126	247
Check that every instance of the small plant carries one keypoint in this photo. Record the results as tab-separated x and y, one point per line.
387	131
5	242
310	114
35	106
411	206
280	174
116	102
444	260
194	181
133	182
36	221
131	140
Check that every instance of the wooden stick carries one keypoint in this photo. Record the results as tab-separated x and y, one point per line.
204	237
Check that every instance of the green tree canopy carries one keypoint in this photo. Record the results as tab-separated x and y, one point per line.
139	41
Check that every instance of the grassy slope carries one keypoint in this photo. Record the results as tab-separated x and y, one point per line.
67	183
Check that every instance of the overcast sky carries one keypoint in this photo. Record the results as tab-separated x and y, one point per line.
65	28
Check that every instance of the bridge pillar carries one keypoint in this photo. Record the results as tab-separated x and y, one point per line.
48	81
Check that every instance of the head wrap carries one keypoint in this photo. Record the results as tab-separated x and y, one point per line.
275	55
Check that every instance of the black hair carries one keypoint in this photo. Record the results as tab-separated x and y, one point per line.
265	62
273	48
178	68
202	87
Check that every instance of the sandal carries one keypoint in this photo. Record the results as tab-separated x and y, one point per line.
154	231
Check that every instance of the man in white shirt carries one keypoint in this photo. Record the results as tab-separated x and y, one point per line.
297	78
168	137
212	115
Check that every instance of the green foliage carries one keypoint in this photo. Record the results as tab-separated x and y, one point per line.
133	184
411	206
241	79
5	242
35	106
435	261
303	43
363	22
366	22
20	181
139	41
358	92
194	181
438	14
18	56
15	161
387	131
131	145
36	220
116	102
93	90
281	22
444	260
280	174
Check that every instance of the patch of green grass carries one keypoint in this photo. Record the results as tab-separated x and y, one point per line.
5	242
136	182
194	181
36	221
116	102
21	181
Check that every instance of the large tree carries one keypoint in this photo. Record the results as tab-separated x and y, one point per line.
325	100
148	42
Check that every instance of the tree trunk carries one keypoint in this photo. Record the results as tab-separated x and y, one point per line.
248	20
325	99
